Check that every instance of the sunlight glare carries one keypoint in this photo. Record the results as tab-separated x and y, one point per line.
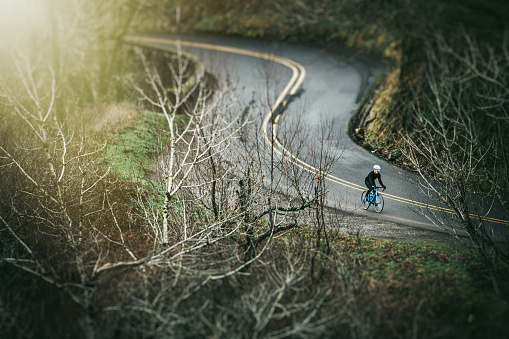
22	20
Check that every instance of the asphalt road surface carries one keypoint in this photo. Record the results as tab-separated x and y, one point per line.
321	85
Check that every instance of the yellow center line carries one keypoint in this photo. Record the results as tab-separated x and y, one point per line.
298	75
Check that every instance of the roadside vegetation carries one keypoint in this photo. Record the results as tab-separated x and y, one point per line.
136	203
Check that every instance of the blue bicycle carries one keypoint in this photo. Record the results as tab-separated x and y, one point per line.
374	198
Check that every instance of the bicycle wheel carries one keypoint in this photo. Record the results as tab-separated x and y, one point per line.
364	200
379	203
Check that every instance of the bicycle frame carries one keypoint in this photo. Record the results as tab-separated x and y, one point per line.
374	193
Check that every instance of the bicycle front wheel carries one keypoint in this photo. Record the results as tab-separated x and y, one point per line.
364	200
379	203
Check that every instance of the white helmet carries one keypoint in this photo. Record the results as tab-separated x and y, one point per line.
376	168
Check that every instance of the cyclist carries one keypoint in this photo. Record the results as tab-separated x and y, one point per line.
370	179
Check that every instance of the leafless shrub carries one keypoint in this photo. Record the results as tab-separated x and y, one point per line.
459	150
49	207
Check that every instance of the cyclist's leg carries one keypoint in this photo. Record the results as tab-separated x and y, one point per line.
368	192
368	185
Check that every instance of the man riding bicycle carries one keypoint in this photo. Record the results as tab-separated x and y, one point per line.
370	179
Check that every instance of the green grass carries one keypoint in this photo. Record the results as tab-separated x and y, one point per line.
440	265
131	151
388	258
450	279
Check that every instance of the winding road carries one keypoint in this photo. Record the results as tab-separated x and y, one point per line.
326	84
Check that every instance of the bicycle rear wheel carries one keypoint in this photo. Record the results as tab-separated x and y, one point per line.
364	200
379	203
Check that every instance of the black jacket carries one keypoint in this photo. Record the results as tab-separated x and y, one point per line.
370	179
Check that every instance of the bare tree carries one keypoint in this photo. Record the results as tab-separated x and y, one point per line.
82	39
56	178
202	134
226	199
214	222
458	148
324	157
